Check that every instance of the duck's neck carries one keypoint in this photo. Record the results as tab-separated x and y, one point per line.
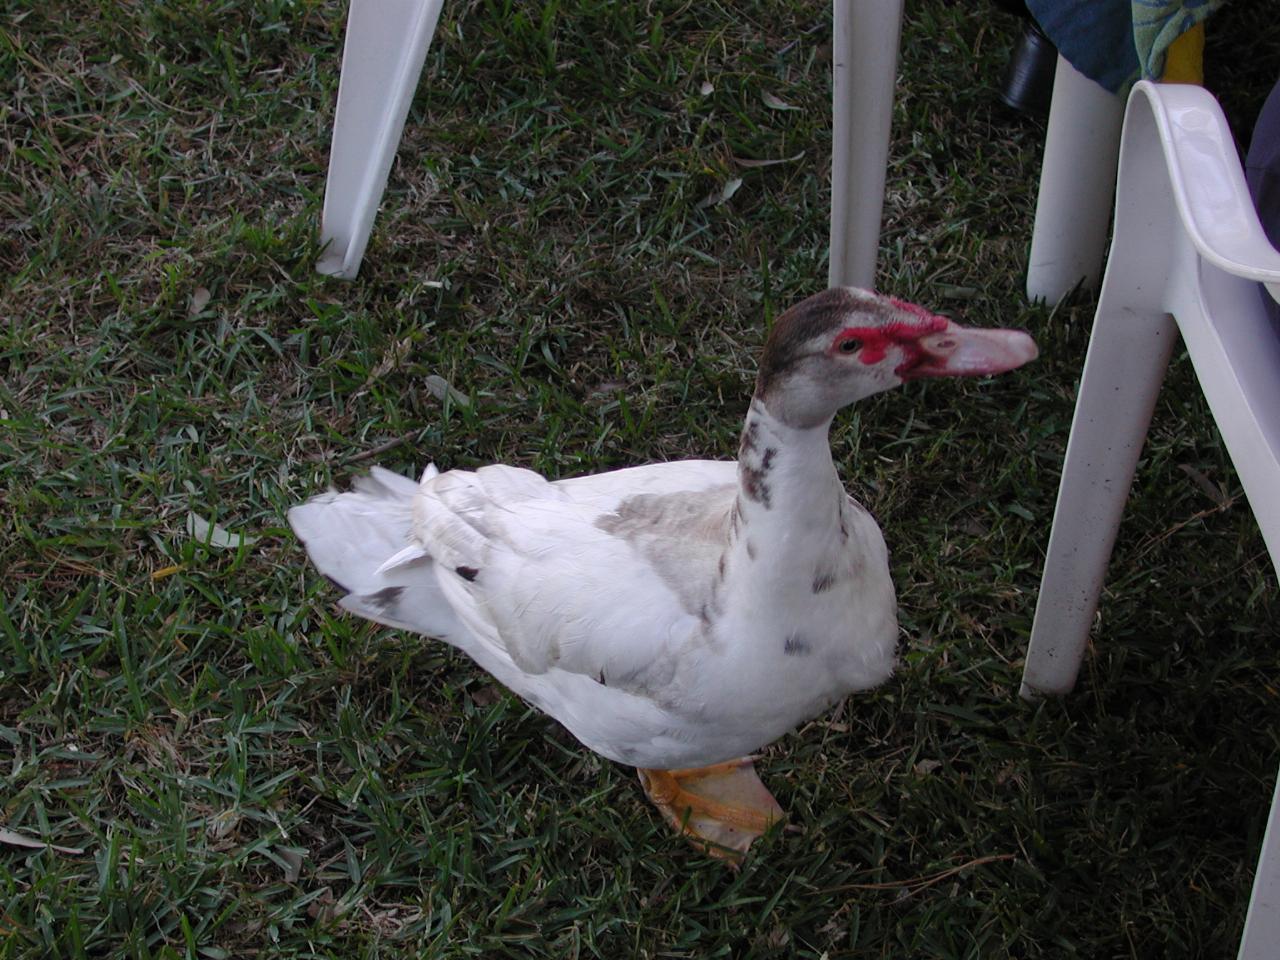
788	489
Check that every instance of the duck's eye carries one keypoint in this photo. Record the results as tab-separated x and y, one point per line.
850	346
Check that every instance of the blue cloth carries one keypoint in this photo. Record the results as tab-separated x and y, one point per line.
1117	42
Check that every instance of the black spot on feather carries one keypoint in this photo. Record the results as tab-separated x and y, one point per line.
600	679
754	479
384	599
824	581
795	645
753	485
467	573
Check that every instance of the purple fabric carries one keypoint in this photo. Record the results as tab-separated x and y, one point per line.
1262	171
1262	166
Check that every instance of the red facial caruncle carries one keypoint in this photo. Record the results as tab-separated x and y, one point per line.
875	341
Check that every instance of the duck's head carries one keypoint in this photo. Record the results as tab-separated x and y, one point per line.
844	344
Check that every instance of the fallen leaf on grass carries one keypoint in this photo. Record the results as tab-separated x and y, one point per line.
221	824
952	291
440	388
30	843
322	907
744	162
773	103
606	389
487	695
721	195
214	535
291	858
200	298
1213	491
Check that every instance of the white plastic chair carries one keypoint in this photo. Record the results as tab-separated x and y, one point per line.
386	46
1077	183
1186	257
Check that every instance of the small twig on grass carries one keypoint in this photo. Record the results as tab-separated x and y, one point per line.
786	48
920	883
380	448
1155	540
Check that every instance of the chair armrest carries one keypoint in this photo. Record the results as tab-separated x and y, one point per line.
1208	184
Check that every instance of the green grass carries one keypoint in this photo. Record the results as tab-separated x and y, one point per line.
247	772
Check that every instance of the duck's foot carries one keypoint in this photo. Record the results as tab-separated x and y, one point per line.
721	808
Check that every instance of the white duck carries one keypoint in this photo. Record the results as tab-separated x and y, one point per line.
674	616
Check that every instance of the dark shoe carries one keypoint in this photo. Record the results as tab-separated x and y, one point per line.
1028	83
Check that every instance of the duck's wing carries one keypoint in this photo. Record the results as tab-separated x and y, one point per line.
606	576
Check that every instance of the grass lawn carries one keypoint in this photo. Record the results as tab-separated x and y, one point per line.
231	767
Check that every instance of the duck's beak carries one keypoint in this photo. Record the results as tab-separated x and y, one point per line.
958	351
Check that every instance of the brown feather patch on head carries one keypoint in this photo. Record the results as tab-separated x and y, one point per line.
792	332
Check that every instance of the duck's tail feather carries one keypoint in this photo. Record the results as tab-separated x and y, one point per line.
362	542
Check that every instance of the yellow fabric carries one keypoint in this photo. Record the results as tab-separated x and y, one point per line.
1184	60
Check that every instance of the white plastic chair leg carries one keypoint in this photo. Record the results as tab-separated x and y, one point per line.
1123	369
386	45
1262	922
1077	182
864	65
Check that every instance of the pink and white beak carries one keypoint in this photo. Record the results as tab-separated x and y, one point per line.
956	351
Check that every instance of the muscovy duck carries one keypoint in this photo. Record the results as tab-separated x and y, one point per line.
674	616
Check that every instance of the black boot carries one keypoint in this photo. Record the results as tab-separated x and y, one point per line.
1028	82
